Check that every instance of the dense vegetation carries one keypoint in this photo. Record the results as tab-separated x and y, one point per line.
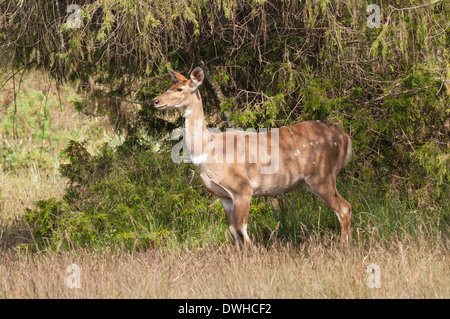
136	198
271	63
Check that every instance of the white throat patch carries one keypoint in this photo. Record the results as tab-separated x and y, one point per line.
197	160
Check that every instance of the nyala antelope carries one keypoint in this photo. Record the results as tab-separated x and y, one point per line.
236	165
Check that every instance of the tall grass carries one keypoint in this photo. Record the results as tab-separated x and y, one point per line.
418	269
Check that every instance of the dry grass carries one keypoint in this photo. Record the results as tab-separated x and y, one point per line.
18	192
408	270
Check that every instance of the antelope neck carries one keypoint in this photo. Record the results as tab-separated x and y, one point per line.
197	135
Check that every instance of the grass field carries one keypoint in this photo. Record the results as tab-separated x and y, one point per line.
397	246
312	270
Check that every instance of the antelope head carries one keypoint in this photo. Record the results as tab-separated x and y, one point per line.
182	93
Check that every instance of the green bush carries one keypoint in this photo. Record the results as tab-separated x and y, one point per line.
132	197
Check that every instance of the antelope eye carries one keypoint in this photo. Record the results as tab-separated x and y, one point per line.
179	89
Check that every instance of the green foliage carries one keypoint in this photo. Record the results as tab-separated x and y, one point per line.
131	197
278	62
32	132
318	105
408	127
260	115
134	198
45	218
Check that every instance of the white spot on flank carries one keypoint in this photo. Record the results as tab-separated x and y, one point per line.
297	152
304	145
311	143
335	144
317	142
199	159
314	163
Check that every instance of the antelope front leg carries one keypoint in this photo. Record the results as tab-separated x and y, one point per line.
241	214
237	212
228	206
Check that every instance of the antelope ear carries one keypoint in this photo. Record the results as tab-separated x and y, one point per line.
197	77
177	77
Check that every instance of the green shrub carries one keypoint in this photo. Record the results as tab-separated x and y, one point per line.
130	197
